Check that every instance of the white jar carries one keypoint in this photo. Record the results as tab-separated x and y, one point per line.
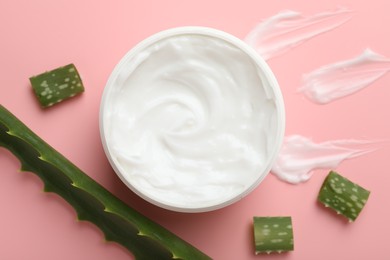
192	119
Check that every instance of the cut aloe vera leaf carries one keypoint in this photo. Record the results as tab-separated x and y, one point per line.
343	196
273	234
92	202
57	85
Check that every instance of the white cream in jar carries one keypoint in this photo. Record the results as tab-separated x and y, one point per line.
190	120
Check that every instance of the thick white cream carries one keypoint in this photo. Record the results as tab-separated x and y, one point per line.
190	121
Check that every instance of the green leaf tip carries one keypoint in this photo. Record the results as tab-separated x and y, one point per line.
120	223
273	234
343	196
54	86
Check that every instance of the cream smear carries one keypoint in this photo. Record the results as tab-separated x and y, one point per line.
288	29
300	156
191	121
344	78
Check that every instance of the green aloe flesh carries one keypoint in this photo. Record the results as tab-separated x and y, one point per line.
92	202
273	234
53	86
343	196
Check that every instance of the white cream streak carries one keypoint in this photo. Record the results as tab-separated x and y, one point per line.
300	156
288	29
344	78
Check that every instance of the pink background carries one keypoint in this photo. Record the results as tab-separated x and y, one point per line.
44	34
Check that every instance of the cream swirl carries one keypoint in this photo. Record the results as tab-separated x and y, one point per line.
189	121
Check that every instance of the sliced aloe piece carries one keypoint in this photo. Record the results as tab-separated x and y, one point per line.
92	202
343	196
273	234
56	85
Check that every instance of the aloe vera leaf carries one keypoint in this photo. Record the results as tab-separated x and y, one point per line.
343	196
273	234
53	86
92	202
